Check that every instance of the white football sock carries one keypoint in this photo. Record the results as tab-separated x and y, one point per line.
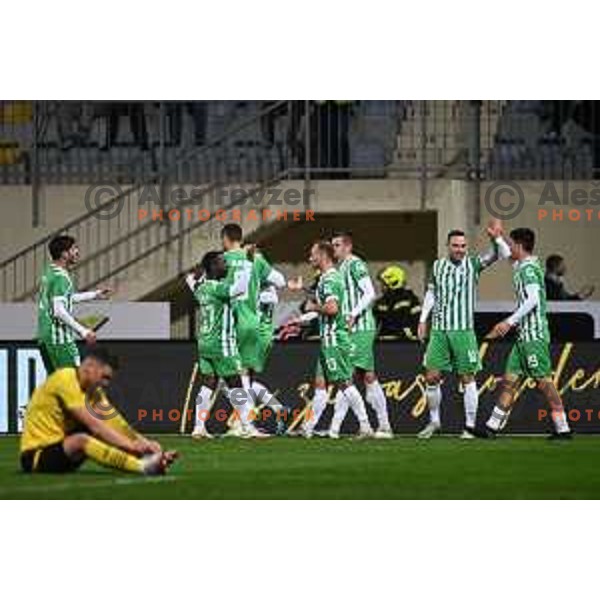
358	406
497	419
471	396
433	393
243	408
203	403
248	409
560	421
318	406
376	398
245	381
339	413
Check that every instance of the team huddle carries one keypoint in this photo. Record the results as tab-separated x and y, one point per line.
237	290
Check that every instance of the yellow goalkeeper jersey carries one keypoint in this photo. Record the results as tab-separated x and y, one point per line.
47	418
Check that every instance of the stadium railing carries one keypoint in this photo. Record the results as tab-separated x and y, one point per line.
112	237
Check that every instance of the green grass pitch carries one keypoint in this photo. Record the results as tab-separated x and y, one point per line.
279	468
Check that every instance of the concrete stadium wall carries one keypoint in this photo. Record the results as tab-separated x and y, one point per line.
447	199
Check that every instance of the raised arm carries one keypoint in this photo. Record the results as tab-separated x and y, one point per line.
499	249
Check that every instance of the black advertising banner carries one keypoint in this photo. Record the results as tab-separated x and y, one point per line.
151	386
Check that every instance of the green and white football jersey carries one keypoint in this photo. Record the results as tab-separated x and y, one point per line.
534	325
353	269
455	289
216	326
55	283
332	329
246	306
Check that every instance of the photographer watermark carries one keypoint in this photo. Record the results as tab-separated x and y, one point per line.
202	202
99	406
564	201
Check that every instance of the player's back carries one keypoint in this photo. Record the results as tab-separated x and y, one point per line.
216	325
246	306
47	419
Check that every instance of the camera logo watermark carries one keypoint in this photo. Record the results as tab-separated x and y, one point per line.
564	201
504	200
98	405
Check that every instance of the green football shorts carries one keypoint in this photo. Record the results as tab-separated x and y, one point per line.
220	366
248	343
265	343
335	363
531	359
454	351
57	356
362	350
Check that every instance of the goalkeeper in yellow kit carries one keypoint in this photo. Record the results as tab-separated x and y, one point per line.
69	418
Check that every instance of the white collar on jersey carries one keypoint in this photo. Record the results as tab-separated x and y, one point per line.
528	259
59	268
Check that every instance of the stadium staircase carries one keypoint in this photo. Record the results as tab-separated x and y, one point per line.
135	255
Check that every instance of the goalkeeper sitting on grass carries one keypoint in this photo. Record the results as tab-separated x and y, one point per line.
69	418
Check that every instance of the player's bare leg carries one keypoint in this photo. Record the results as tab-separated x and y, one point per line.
375	396
501	412
559	418
471	402
433	394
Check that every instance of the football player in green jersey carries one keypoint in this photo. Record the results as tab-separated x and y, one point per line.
216	337
57	327
452	346
530	355
359	296
335	363
246	311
